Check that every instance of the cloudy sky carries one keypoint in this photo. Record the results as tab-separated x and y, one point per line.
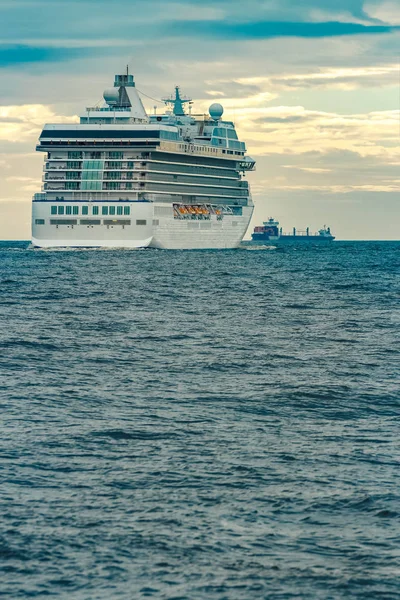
313	87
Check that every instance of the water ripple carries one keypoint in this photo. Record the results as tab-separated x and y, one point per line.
200	425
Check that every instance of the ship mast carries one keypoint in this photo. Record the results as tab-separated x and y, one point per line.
177	102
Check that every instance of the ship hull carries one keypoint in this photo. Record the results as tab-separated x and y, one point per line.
150	225
310	239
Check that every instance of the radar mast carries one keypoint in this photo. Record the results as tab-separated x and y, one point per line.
177	102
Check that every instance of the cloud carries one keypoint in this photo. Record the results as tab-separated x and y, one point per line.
340	78
272	29
393	186
333	172
307	169
20	54
232	89
300	104
23	123
388	12
294	129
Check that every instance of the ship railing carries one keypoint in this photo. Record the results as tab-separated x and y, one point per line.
103	195
298	233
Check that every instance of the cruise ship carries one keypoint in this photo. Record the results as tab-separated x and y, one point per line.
121	178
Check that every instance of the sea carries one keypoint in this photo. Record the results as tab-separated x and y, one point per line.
200	425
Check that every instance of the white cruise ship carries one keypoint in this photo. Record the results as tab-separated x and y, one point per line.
124	179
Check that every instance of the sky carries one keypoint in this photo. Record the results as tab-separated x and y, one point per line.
313	87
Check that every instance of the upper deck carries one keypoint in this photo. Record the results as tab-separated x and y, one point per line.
122	120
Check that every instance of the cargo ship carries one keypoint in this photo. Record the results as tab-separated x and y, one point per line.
270	233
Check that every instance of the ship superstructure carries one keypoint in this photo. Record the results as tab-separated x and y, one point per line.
123	178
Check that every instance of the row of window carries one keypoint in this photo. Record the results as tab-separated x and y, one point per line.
222	132
91	185
104	120
222	142
169	135
105	210
93	222
76	154
91	164
190	148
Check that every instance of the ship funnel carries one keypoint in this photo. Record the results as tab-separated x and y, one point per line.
128	97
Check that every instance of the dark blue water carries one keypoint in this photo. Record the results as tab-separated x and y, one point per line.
200	425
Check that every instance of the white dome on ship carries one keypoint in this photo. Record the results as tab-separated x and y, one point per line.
216	111
111	96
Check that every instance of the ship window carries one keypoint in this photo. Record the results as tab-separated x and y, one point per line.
54	210
74	154
75	210
92	171
68	210
236	210
232	135
115	155
112	210
71	185
85	210
63	222
131	165
90	222
169	135
60	210
73	174
91	185
141	222
104	210
219	132
93	154
127	210
119	210
39	221
95	210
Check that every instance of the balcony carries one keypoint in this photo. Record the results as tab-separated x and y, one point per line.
110	166
53	178
57	166
54	186
121	178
